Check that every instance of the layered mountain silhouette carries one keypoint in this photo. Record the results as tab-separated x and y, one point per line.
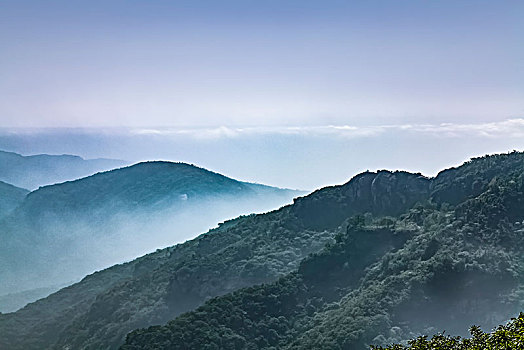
31	172
383	258
10	197
62	232
14	301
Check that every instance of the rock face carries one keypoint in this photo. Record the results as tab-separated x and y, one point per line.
383	193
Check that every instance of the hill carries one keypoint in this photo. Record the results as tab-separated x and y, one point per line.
341	268
34	171
436	267
62	232
10	197
155	288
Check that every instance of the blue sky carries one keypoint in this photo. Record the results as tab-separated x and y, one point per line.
238	63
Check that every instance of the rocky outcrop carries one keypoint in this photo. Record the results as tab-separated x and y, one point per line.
382	193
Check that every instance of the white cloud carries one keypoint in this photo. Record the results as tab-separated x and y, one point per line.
506	128
511	128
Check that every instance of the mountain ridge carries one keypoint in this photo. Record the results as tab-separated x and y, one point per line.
38	170
236	241
268	252
115	207
457	266
10	197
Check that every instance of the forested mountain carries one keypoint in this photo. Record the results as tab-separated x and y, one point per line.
436	267
10	197
157	287
62	232
380	259
34	171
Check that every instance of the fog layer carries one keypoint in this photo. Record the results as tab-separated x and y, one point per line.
63	232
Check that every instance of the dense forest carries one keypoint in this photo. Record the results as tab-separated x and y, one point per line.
444	264
384	258
504	337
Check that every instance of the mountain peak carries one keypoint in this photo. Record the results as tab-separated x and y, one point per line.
39	170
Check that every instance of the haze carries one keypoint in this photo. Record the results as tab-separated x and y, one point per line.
253	63
300	93
304	157
296	95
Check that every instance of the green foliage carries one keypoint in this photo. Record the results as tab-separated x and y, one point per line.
456	185
504	337
265	316
89	223
100	310
378	260
458	265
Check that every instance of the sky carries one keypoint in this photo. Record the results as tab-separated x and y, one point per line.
268	62
291	93
303	157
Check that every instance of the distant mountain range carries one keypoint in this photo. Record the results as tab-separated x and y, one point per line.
14	301
378	260
10	197
31	172
62	232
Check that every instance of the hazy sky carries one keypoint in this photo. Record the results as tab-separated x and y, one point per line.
298	94
259	63
306	157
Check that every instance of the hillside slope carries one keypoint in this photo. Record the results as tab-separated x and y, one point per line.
10	197
505	337
445	264
386	245
239	253
34	171
62	232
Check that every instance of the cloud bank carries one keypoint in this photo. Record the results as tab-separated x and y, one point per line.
508	128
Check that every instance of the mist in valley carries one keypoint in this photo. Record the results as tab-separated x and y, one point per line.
48	245
269	175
